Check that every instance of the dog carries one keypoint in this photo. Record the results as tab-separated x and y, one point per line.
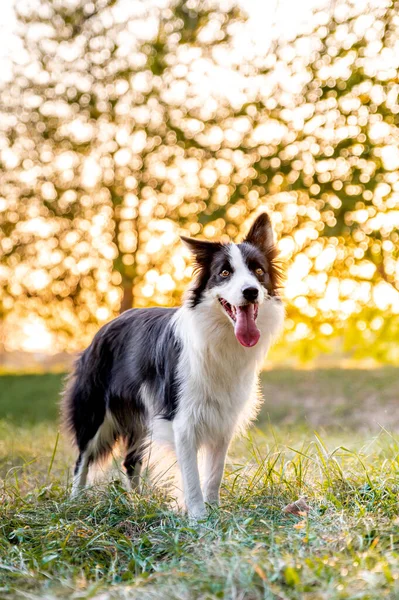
188	374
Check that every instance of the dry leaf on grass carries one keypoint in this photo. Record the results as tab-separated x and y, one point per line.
260	572
299	507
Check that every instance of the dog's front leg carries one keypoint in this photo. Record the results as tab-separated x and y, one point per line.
186	450
215	458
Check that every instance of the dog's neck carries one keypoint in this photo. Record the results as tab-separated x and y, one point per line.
205	329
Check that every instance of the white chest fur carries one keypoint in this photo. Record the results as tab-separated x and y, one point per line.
217	376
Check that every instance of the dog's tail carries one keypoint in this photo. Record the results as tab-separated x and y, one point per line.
83	402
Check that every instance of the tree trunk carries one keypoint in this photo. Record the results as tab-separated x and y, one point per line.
127	298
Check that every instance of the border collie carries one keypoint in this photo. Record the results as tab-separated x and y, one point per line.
188	373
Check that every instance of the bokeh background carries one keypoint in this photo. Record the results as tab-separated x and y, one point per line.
126	123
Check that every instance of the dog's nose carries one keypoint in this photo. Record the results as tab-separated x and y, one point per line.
250	293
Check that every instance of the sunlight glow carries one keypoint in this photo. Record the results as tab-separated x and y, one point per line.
113	155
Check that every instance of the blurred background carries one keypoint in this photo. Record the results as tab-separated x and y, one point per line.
124	123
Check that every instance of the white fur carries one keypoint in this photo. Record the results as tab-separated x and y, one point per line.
240	278
104	437
80	478
218	380
218	387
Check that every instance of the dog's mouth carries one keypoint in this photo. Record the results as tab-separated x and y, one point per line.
244	319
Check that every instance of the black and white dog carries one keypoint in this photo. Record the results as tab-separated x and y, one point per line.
187	374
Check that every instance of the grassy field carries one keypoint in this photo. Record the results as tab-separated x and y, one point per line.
115	545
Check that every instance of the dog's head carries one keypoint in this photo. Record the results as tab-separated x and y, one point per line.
239	278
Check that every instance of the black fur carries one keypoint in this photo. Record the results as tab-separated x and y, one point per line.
129	369
259	246
258	250
109	374
209	258
256	259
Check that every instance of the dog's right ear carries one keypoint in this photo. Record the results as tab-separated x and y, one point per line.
202	251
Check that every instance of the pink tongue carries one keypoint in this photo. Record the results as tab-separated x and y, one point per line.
245	328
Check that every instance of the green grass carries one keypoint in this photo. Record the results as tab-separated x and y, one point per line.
343	398
30	398
115	545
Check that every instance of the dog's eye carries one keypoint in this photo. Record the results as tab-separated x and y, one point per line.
259	272
225	273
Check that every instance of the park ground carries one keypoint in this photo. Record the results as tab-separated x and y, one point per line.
331	435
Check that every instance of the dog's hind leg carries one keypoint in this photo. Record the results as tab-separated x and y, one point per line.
97	449
133	464
134	457
80	473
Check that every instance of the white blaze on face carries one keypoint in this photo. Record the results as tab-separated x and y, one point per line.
244	313
240	279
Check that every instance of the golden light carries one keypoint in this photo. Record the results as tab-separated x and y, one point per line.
114	168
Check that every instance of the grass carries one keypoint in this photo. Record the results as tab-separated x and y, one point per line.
115	545
30	398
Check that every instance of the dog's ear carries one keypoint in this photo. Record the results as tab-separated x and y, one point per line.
261	233
202	251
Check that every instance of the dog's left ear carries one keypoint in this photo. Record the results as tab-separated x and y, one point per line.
261	233
202	250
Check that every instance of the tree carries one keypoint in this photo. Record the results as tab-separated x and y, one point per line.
116	139
323	155
101	156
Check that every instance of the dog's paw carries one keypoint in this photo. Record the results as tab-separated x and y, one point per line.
197	512
212	501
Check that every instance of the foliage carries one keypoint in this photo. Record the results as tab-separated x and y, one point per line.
123	128
329	167
100	152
